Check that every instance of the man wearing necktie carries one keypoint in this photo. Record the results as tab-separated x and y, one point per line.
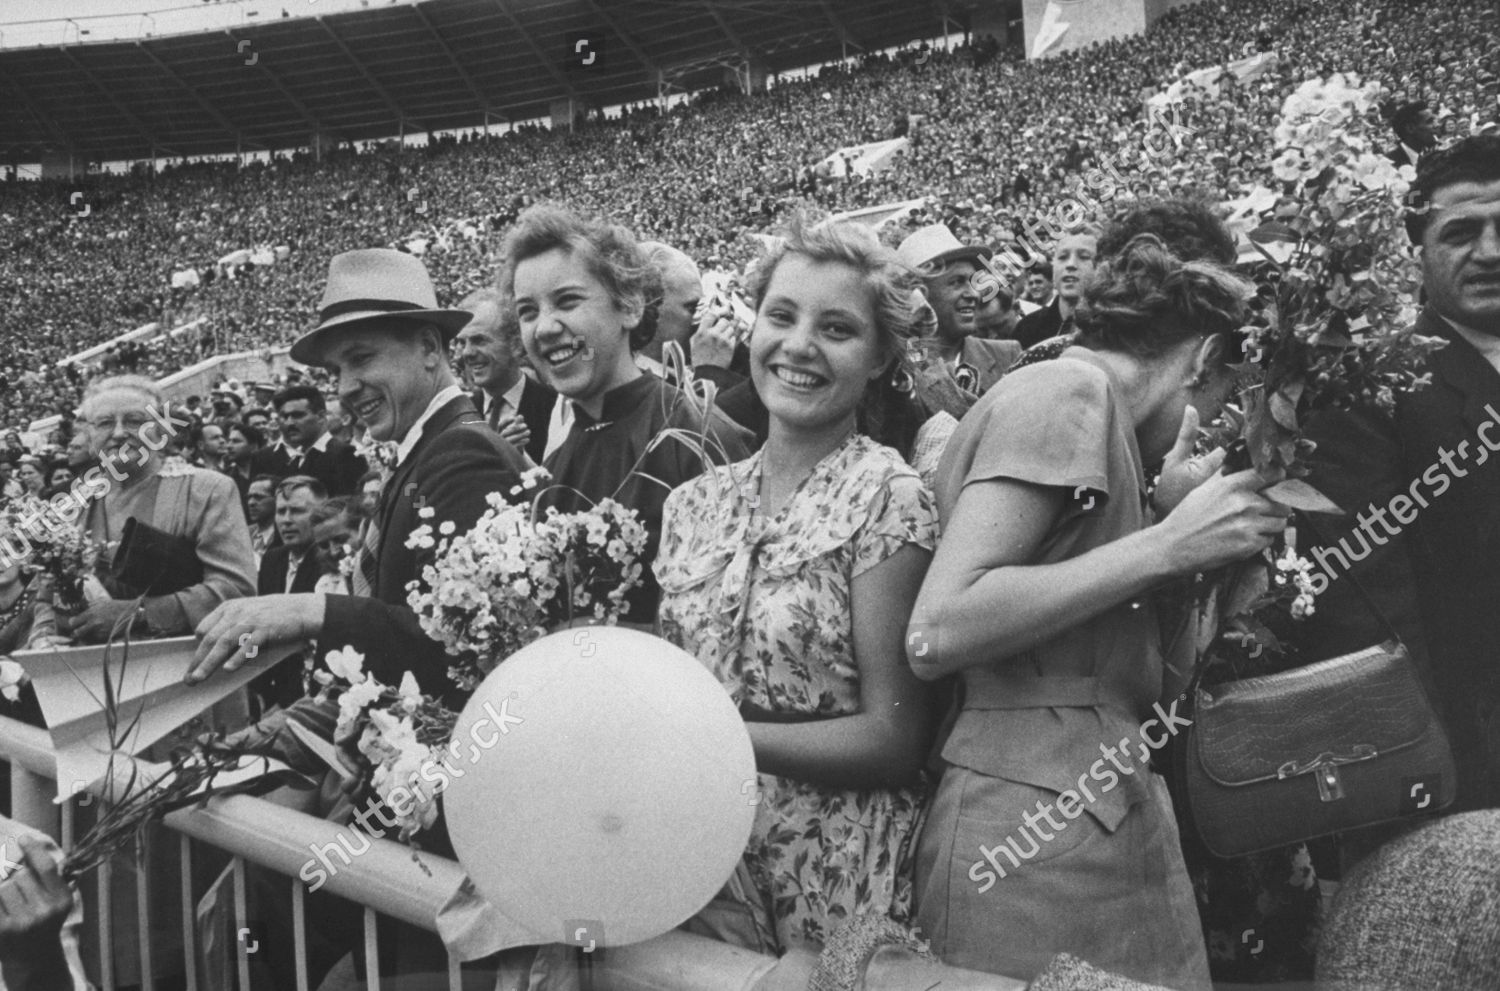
514	405
386	341
306	446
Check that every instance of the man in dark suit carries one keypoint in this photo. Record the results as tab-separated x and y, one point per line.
1456	553
1073	258
306	447
385	339
290	566
1416	130
511	402
1430	477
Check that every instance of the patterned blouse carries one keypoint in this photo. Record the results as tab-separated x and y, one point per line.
765	602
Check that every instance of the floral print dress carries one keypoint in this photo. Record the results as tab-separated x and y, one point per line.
765	602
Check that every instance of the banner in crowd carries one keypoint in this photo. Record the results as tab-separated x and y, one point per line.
885	213
247	366
1207	80
863	159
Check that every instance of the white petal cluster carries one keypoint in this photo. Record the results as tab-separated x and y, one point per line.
516	574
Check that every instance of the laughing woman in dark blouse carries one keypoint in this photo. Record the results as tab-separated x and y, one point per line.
579	290
1048	833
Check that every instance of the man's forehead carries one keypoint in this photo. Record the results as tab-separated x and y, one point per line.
485	323
682	281
367	337
1466	199
962	266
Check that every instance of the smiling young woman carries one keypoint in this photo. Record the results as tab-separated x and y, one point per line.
580	289
792	574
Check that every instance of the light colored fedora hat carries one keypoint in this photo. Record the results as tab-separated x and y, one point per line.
375	283
935	244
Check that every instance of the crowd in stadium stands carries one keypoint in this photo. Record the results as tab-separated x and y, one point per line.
856	480
994	142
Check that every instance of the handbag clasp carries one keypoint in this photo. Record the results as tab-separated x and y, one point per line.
1326	766
1330	784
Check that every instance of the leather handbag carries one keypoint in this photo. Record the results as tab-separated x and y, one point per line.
1348	742
154	562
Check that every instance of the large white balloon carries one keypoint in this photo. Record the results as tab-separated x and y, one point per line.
609	790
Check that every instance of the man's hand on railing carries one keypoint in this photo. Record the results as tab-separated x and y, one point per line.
239	629
34	904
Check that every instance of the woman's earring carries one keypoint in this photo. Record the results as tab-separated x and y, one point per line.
903	381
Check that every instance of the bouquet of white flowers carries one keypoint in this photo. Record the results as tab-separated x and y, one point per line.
1333	328
400	732
516	576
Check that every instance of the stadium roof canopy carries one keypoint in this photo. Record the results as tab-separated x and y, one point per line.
413	67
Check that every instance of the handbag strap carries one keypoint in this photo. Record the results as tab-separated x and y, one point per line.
1201	666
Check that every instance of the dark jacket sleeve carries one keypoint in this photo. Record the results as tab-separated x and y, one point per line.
741	404
272	563
463	466
723	378
1358	465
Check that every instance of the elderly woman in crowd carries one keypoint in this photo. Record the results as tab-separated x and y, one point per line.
189	551
190	543
1037	597
791	575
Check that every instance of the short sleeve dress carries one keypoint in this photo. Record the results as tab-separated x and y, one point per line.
1003	883
765	603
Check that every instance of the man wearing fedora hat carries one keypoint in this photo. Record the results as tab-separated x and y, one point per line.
958	281
386	342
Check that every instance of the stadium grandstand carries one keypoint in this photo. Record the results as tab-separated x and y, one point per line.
995	138
177	184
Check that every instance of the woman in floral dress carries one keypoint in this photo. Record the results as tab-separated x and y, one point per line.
792	575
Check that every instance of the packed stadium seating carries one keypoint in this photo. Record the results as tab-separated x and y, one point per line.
994	142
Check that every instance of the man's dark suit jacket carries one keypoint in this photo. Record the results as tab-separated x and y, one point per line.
1438	580
272	577
1041	324
536	409
455	465
336	466
282	684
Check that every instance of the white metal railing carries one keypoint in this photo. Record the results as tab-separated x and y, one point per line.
385	880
